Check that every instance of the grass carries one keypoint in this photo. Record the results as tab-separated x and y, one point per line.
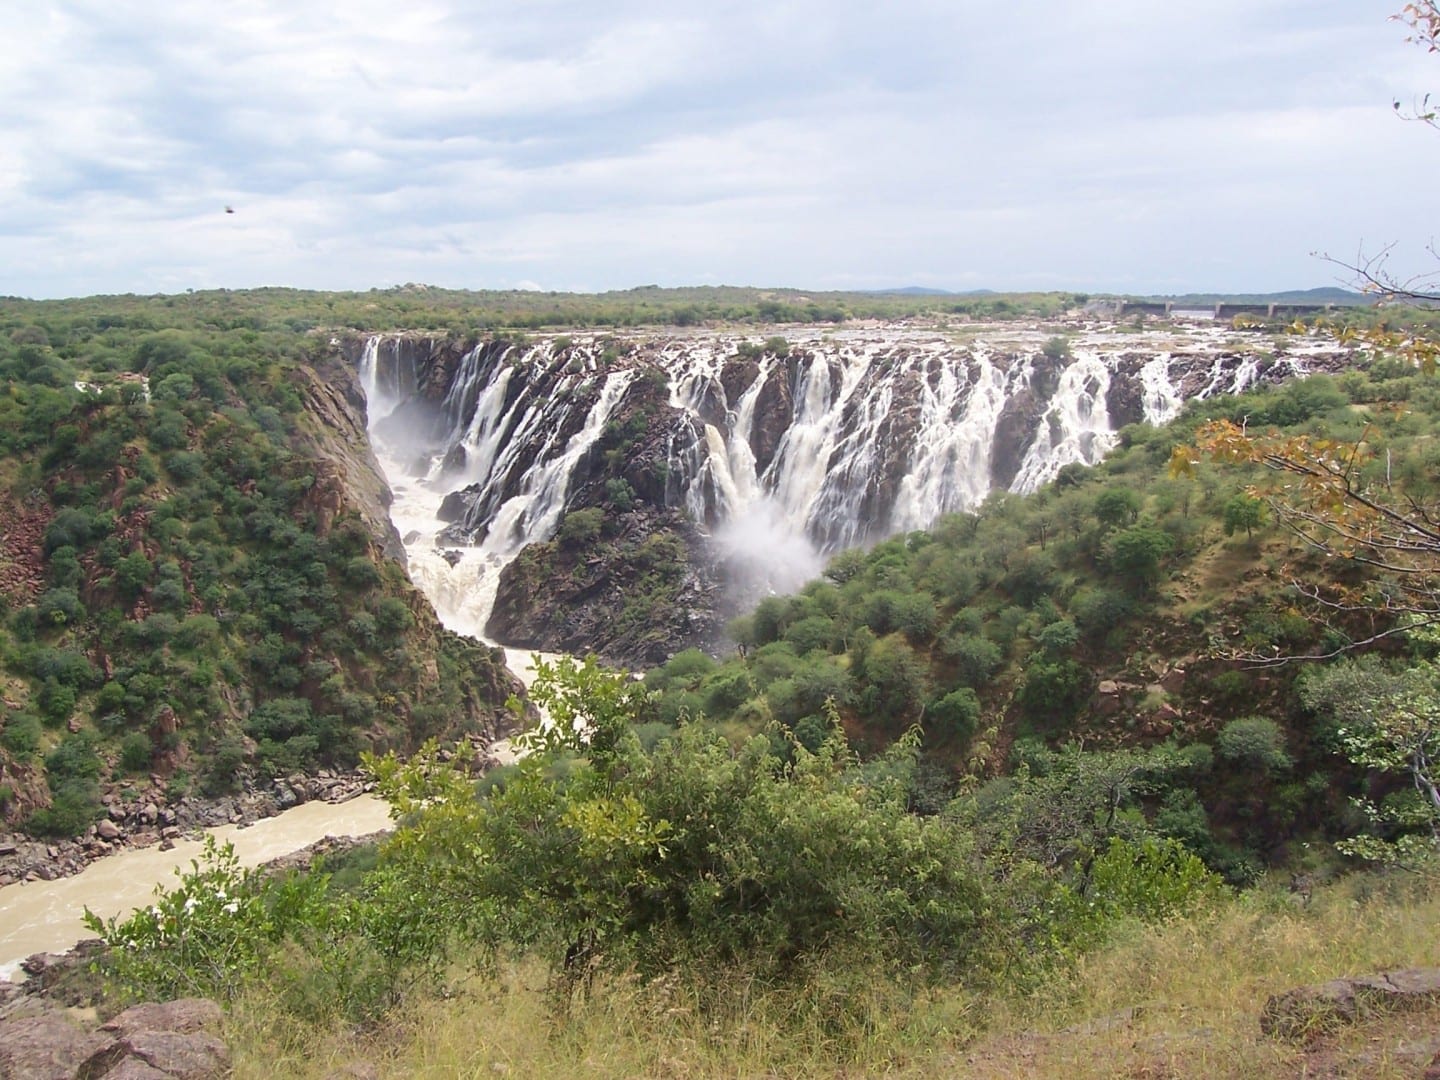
1181	999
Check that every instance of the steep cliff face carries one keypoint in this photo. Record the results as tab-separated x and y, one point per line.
347	474
634	588
759	460
460	686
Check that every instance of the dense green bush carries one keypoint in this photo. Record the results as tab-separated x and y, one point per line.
136	752
975	658
1255	742
580	527
21	735
955	715
697	856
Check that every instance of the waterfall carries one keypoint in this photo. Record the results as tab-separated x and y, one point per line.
1162	400
1077	427
851	436
523	442
950	464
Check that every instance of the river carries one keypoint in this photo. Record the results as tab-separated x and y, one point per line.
45	916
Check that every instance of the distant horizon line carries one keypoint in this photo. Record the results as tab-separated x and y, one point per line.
917	291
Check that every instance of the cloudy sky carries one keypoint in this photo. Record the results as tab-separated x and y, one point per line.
597	144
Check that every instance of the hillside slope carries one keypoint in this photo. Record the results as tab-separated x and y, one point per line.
1117	607
200	585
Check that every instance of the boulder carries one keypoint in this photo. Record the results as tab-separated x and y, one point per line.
135	1069
193	1055
182	1016
1310	1010
144	1042
48	1047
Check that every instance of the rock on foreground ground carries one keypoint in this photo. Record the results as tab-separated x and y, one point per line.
1309	1010
173	1040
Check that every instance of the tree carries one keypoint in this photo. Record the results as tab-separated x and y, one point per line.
697	858
1135	554
1388	720
1254	741
895	680
1062	810
956	715
1116	506
1246	512
1325	498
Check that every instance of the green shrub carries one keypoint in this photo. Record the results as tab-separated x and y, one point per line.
619	494
1053	692
1056	348
56	701
814	632
580	527
975	658
895	681
1117	506
392	617
21	735
1058	637
1254	741
71	528
59	607
132	573
72	808
956	715
727	692
697	858
1135	554
135	752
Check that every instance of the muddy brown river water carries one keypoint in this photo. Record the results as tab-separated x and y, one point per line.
45	916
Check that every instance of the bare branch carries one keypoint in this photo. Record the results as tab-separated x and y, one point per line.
1371	273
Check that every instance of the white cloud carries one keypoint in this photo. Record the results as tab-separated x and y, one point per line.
1099	143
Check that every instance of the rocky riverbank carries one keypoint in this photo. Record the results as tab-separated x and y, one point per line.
141	814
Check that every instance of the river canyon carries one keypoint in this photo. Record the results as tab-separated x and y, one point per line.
729	467
626	493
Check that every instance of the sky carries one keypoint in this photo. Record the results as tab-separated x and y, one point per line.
1092	145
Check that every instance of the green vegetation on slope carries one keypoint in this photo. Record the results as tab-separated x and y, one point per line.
187	586
692	860
701	909
1107	610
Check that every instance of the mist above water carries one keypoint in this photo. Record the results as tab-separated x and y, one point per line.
764	551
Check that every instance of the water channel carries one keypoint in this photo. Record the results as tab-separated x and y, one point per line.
45	916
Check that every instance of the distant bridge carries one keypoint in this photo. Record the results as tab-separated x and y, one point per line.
1173	309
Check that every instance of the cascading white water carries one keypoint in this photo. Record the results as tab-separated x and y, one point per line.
1076	428
461	580
1162	400
951	463
849	437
